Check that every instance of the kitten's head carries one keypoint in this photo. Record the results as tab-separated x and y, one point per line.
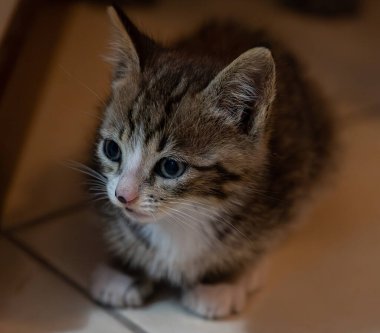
181	131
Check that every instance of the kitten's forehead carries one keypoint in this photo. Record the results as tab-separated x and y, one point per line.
174	75
165	111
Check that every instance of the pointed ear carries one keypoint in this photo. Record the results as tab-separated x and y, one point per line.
131	49
243	91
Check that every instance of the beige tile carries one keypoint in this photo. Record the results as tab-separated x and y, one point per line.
170	317
34	300
340	54
73	244
323	279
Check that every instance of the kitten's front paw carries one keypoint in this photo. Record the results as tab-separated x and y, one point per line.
113	288
215	301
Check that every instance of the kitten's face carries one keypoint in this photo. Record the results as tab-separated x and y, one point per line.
182	133
162	149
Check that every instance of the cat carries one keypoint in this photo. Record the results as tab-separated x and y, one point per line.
205	149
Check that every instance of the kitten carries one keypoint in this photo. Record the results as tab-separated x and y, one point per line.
204	150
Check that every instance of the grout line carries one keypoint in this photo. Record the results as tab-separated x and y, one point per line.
43	262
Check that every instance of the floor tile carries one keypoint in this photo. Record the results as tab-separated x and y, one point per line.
323	279
169	317
34	300
340	54
73	244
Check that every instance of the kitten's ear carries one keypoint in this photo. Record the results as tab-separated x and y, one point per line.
244	90
131	48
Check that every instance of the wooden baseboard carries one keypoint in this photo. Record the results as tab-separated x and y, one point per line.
34	25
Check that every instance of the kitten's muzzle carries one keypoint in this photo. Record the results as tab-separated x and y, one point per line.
128	204
126	200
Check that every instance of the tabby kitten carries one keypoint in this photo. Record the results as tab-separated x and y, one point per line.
204	150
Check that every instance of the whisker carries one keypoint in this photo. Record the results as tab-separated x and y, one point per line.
94	185
195	227
63	69
172	220
178	213
218	217
98	190
99	199
184	214
86	170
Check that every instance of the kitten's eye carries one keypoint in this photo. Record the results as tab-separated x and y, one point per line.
112	150
169	168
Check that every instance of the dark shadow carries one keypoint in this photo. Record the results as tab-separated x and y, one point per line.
26	54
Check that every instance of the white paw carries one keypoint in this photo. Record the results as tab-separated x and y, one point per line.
215	301
113	288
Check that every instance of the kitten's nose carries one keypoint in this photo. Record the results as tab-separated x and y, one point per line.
127	190
126	198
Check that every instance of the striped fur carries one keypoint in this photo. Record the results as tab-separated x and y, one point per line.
252	131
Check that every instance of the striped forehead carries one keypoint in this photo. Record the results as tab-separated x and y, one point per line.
148	117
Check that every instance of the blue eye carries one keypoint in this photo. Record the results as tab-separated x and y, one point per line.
112	150
169	168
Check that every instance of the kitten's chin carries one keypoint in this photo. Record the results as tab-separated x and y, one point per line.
139	217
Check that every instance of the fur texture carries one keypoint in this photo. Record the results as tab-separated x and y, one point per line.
233	108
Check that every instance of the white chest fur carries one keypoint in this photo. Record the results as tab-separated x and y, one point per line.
182	241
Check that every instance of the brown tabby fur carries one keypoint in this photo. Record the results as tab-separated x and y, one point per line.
255	140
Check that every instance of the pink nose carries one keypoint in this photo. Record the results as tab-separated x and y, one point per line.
126	197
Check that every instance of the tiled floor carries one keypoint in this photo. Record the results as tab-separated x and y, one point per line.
323	279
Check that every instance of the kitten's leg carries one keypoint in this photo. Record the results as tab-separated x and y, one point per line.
113	288
221	299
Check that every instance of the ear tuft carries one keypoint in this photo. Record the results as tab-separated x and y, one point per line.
244	90
123	56
131	49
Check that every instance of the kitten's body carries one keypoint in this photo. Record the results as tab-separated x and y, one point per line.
246	171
